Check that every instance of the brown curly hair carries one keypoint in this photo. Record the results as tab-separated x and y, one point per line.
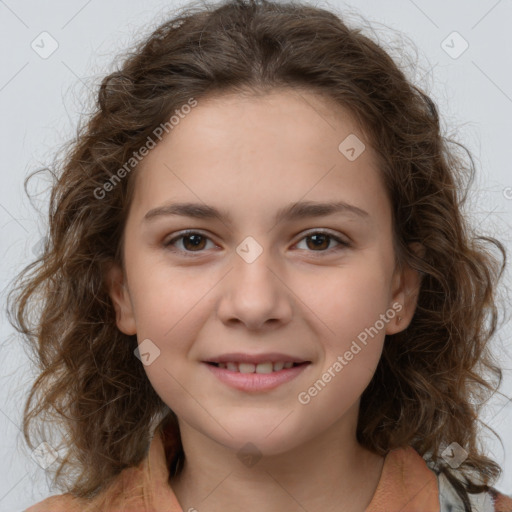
432	378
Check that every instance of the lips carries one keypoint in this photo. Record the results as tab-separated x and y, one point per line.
249	377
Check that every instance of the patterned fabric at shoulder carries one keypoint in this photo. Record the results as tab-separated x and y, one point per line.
450	501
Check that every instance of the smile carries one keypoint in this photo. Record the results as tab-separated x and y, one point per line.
250	377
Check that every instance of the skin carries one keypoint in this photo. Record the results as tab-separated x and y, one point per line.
252	156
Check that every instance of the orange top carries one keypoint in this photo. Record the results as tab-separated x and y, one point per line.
406	484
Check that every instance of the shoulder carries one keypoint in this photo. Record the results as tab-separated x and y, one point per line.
502	502
490	501
412	465
58	503
135	489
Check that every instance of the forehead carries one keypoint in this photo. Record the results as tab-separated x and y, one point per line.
260	151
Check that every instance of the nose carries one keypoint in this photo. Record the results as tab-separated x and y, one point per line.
255	295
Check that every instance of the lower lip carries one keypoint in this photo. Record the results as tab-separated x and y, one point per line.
256	381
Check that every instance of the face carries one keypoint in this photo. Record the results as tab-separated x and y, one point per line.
259	278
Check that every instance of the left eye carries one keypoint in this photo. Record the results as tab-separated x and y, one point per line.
193	241
321	238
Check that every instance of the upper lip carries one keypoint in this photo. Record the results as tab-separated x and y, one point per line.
238	357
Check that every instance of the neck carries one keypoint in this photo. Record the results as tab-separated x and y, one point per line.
330	473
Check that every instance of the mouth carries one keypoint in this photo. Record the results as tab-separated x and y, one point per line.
263	367
256	377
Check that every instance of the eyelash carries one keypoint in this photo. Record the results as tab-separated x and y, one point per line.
343	244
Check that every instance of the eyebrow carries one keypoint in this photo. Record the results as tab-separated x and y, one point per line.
294	211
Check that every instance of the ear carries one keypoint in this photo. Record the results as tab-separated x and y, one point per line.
406	288
118	291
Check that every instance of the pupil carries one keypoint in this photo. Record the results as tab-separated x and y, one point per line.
196	243
318	238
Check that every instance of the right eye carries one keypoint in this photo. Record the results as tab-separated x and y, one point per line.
192	241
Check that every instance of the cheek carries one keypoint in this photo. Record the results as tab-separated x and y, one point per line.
167	300
350	300
351	305
170	316
171	306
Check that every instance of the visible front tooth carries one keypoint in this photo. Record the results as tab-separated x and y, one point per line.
264	367
288	364
222	365
232	366
278	366
246	367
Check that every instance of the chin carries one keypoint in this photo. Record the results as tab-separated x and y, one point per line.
264	438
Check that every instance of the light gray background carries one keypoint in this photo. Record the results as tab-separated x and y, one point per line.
41	100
